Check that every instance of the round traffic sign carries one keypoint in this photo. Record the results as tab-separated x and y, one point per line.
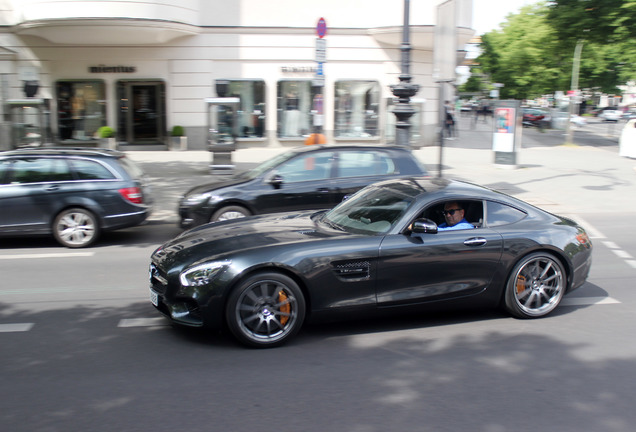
321	28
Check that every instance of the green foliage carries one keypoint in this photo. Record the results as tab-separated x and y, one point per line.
532	54
105	132
178	131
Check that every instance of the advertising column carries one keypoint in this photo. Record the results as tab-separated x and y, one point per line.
506	132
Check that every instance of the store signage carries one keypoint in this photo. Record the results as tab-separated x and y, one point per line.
112	69
296	69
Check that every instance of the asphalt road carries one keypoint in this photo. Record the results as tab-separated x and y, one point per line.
83	350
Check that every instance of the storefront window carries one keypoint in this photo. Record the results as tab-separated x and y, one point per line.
356	109
251	113
81	109
295	105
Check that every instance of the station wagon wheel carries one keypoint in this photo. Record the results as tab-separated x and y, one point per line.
75	228
536	286
265	310
229	212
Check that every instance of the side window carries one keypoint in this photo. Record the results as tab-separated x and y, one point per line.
91	170
314	166
500	214
364	163
4	171
473	212
40	170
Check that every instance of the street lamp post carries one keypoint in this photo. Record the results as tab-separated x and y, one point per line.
404	90
574	87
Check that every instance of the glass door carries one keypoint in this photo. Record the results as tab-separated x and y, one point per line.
142	112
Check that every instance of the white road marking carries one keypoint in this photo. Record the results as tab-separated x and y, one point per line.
143	322
15	327
587	301
622	254
47	255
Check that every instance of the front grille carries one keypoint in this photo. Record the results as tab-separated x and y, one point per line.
158	279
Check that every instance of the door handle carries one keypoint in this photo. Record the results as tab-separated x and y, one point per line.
323	190
52	188
475	241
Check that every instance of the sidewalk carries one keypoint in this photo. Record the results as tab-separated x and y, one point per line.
583	178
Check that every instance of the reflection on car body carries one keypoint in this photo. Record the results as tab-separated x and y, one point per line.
378	251
310	177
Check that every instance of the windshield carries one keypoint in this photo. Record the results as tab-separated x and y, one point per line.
373	210
267	165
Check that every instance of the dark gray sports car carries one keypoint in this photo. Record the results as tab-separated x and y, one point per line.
379	250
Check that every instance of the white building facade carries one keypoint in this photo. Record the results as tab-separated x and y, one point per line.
142	67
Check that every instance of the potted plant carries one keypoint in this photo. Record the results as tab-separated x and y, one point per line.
106	136
179	138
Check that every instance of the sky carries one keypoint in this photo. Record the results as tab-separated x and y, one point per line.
488	14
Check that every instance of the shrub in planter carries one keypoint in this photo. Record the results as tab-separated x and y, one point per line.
105	132
179	139
178	131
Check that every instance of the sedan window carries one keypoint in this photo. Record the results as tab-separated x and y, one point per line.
364	163
500	214
4	170
307	167
38	170
90	170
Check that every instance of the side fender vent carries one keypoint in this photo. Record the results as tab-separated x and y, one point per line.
353	270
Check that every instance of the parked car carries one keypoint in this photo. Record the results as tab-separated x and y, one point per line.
376	252
73	194
611	114
310	177
536	117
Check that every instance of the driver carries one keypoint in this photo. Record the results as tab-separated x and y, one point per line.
454	216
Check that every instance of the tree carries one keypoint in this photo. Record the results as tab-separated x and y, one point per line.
532	54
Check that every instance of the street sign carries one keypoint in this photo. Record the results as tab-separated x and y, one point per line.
321	50
321	28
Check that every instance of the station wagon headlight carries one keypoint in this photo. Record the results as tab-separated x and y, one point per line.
202	274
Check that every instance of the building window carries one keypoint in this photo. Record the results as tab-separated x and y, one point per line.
294	108
356	109
251	113
81	109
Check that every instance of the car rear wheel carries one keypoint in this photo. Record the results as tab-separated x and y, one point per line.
536	286
75	228
229	212
265	310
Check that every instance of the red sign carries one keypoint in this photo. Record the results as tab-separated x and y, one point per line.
321	28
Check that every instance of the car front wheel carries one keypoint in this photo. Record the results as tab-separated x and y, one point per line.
75	228
266	310
229	212
536	286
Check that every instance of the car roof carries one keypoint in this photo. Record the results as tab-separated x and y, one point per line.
443	188
317	147
63	151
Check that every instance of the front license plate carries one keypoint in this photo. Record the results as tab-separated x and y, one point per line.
154	298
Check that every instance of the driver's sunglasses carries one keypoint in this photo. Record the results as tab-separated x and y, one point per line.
450	212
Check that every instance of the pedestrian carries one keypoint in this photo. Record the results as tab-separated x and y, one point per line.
449	120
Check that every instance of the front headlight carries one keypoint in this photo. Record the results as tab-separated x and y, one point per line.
202	274
196	199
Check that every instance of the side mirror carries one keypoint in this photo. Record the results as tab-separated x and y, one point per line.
424	226
276	181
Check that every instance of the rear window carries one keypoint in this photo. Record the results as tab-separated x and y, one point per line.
500	214
364	163
131	168
91	170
